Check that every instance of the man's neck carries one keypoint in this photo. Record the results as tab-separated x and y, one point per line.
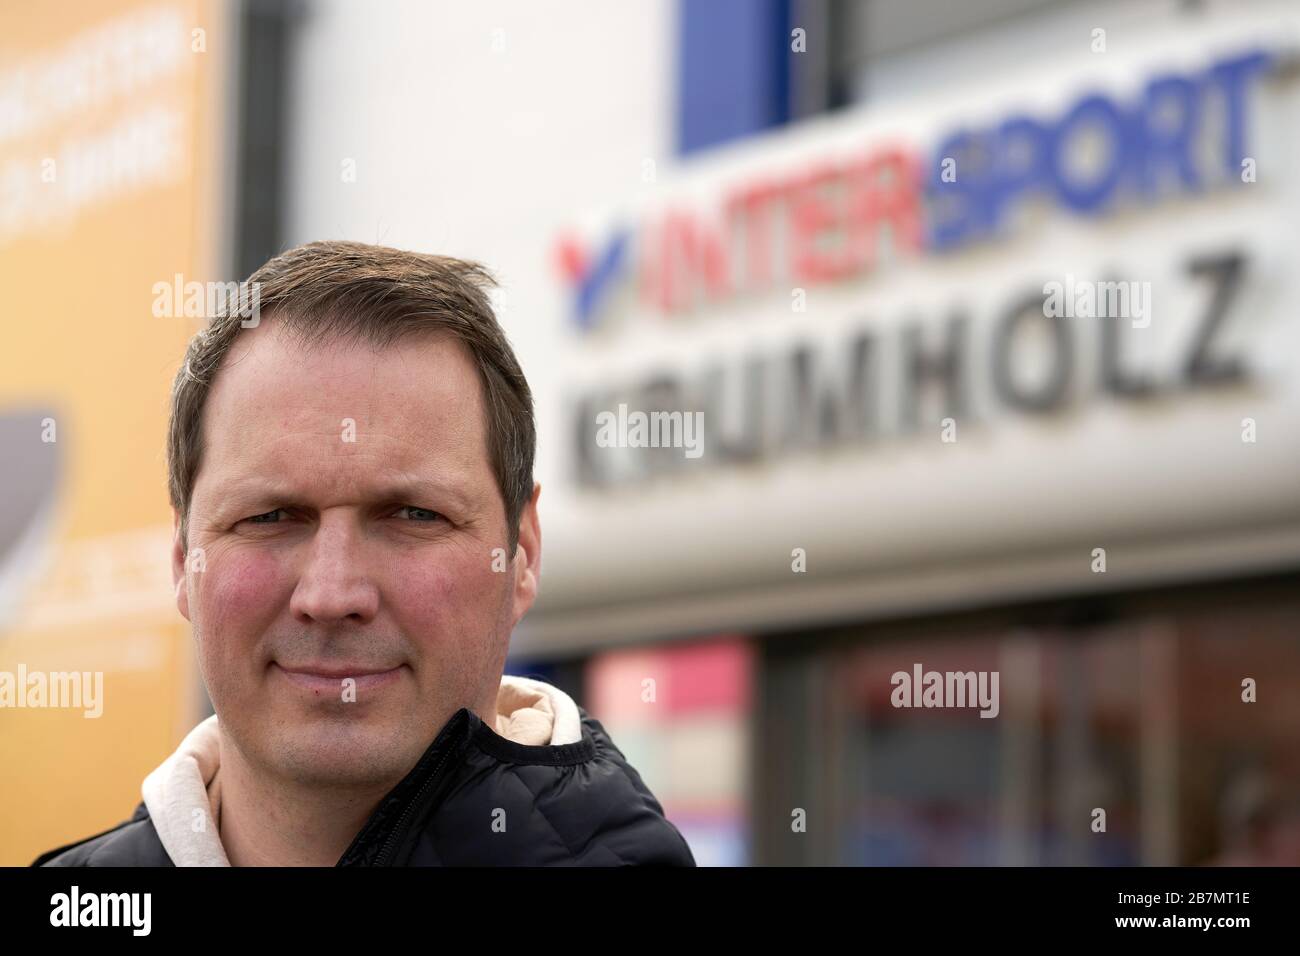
268	821
271	822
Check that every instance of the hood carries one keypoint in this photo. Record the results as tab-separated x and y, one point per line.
183	795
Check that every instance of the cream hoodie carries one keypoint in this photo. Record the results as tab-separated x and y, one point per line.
183	795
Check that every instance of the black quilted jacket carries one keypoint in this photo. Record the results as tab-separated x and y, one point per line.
578	804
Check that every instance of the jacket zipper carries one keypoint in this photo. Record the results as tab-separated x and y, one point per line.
385	853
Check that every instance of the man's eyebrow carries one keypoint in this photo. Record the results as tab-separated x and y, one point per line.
414	491
406	491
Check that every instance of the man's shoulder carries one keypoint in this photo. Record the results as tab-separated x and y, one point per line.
640	832
582	803
133	842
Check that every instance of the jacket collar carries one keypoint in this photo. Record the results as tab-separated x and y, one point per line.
183	794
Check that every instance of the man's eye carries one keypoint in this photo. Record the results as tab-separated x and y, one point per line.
415	514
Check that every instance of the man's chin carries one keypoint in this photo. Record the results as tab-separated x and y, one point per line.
343	753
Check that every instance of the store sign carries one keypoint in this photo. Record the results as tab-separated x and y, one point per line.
826	221
860	381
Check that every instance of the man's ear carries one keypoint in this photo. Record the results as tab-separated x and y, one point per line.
528	557
179	581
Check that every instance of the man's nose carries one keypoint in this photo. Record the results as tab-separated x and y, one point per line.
334	583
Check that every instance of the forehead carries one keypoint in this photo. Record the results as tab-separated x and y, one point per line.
339	411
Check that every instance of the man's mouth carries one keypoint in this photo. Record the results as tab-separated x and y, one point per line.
338	679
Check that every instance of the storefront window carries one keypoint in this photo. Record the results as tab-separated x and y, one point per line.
1127	734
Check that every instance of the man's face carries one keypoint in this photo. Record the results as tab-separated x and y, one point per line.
349	598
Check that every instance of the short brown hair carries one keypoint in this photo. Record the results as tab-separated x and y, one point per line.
375	294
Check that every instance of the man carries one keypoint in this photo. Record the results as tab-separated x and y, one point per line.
356	536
